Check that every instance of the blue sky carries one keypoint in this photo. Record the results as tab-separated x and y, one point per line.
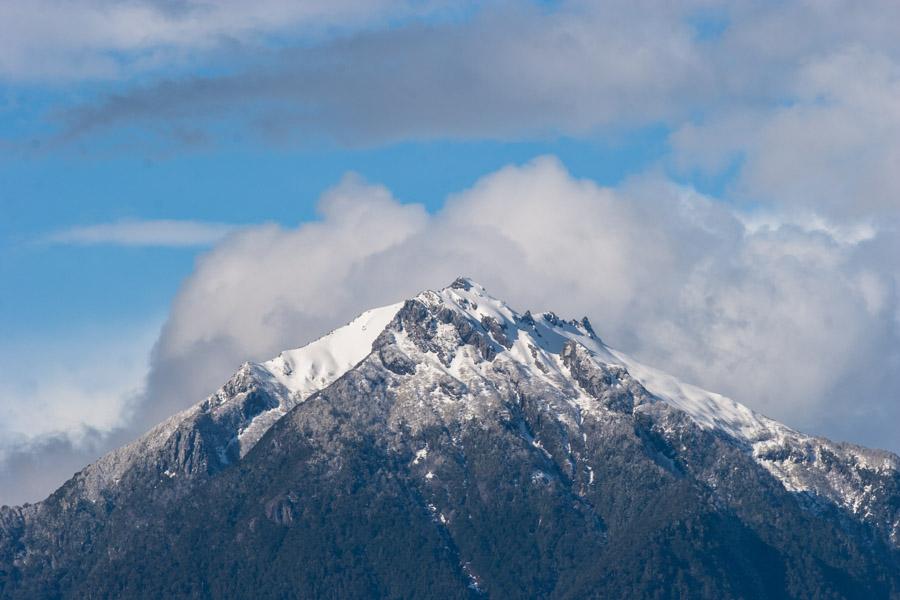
713	183
61	286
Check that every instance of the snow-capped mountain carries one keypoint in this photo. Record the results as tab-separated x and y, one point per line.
515	454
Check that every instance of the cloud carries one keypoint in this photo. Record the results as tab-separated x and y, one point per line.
162	232
518	70
63	41
832	150
65	401
793	105
782	317
514	69
259	307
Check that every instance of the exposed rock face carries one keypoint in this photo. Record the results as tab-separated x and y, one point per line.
451	447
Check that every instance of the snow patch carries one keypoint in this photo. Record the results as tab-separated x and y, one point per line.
315	366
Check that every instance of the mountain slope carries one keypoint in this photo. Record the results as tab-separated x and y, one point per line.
449	446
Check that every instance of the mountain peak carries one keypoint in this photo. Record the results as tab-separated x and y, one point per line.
463	283
504	444
436	331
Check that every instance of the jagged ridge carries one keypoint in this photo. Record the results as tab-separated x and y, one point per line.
460	361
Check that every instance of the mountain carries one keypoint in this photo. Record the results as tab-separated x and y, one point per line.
451	447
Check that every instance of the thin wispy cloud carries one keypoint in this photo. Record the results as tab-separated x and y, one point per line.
161	232
519	70
71	41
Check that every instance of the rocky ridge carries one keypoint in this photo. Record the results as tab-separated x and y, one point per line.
453	393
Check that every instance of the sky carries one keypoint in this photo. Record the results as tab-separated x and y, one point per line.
186	185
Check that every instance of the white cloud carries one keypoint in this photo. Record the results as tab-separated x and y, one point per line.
159	232
782	318
66	399
72	384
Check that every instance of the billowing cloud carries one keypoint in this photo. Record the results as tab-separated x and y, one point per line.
794	321
158	232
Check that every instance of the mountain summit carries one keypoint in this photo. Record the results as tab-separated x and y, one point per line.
449	446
